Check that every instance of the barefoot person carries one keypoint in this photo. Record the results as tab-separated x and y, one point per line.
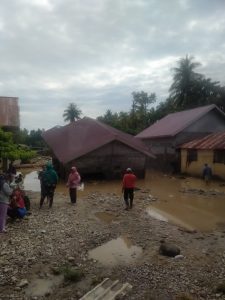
129	180
72	183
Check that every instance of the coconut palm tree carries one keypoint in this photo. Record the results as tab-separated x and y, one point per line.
185	81
72	113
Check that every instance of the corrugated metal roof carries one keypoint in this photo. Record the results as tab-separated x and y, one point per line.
174	123
9	112
81	137
213	141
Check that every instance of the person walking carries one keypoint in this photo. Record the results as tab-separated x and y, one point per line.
49	181
40	177
129	180
207	174
5	192
72	183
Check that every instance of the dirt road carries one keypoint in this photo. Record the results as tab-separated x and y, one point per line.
50	254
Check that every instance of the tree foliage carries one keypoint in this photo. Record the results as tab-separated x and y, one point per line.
12	151
33	139
72	113
189	89
136	119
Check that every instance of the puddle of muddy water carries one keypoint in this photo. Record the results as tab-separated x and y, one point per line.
156	214
40	287
118	251
31	181
105	217
166	217
191	210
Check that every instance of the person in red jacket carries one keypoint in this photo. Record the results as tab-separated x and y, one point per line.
129	180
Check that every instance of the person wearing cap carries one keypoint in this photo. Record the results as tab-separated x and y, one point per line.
49	180
72	183
129	180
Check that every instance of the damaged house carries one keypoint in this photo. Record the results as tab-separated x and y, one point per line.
165	135
96	149
210	150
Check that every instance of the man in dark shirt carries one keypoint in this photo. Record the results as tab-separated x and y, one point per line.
207	174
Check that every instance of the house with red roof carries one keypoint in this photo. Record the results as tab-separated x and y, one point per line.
209	149
165	135
96	149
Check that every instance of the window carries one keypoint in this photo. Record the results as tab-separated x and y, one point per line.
192	155
219	156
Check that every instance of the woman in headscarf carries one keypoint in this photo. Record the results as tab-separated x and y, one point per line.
49	180
5	192
72	183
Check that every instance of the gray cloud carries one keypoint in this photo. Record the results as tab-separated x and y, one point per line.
96	52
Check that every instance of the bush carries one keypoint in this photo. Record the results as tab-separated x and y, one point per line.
70	274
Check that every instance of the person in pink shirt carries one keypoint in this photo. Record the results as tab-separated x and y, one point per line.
72	183
129	180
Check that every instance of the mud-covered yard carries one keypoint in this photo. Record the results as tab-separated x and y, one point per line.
47	255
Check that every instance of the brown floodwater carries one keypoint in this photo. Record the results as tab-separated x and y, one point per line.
118	251
190	210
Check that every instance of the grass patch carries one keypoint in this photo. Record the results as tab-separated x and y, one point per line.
69	273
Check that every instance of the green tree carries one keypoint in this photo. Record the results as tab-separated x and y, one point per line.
72	113
10	150
140	109
185	83
109	118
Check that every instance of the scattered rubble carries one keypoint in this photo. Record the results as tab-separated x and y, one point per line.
51	240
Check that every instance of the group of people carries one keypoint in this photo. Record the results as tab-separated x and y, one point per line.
13	201
49	179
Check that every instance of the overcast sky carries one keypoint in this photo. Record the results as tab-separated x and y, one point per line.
95	53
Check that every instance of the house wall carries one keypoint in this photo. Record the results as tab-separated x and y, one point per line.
168	157
213	121
111	161
195	168
9	112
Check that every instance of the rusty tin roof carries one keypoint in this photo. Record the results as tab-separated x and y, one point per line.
9	112
174	123
86	135
213	141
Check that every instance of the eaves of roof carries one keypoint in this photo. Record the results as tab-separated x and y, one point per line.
210	107
213	141
89	135
86	151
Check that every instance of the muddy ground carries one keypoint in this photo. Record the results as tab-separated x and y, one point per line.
48	244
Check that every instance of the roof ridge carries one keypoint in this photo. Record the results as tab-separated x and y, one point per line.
195	108
210	107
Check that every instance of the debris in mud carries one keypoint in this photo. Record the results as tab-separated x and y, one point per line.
168	249
202	192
